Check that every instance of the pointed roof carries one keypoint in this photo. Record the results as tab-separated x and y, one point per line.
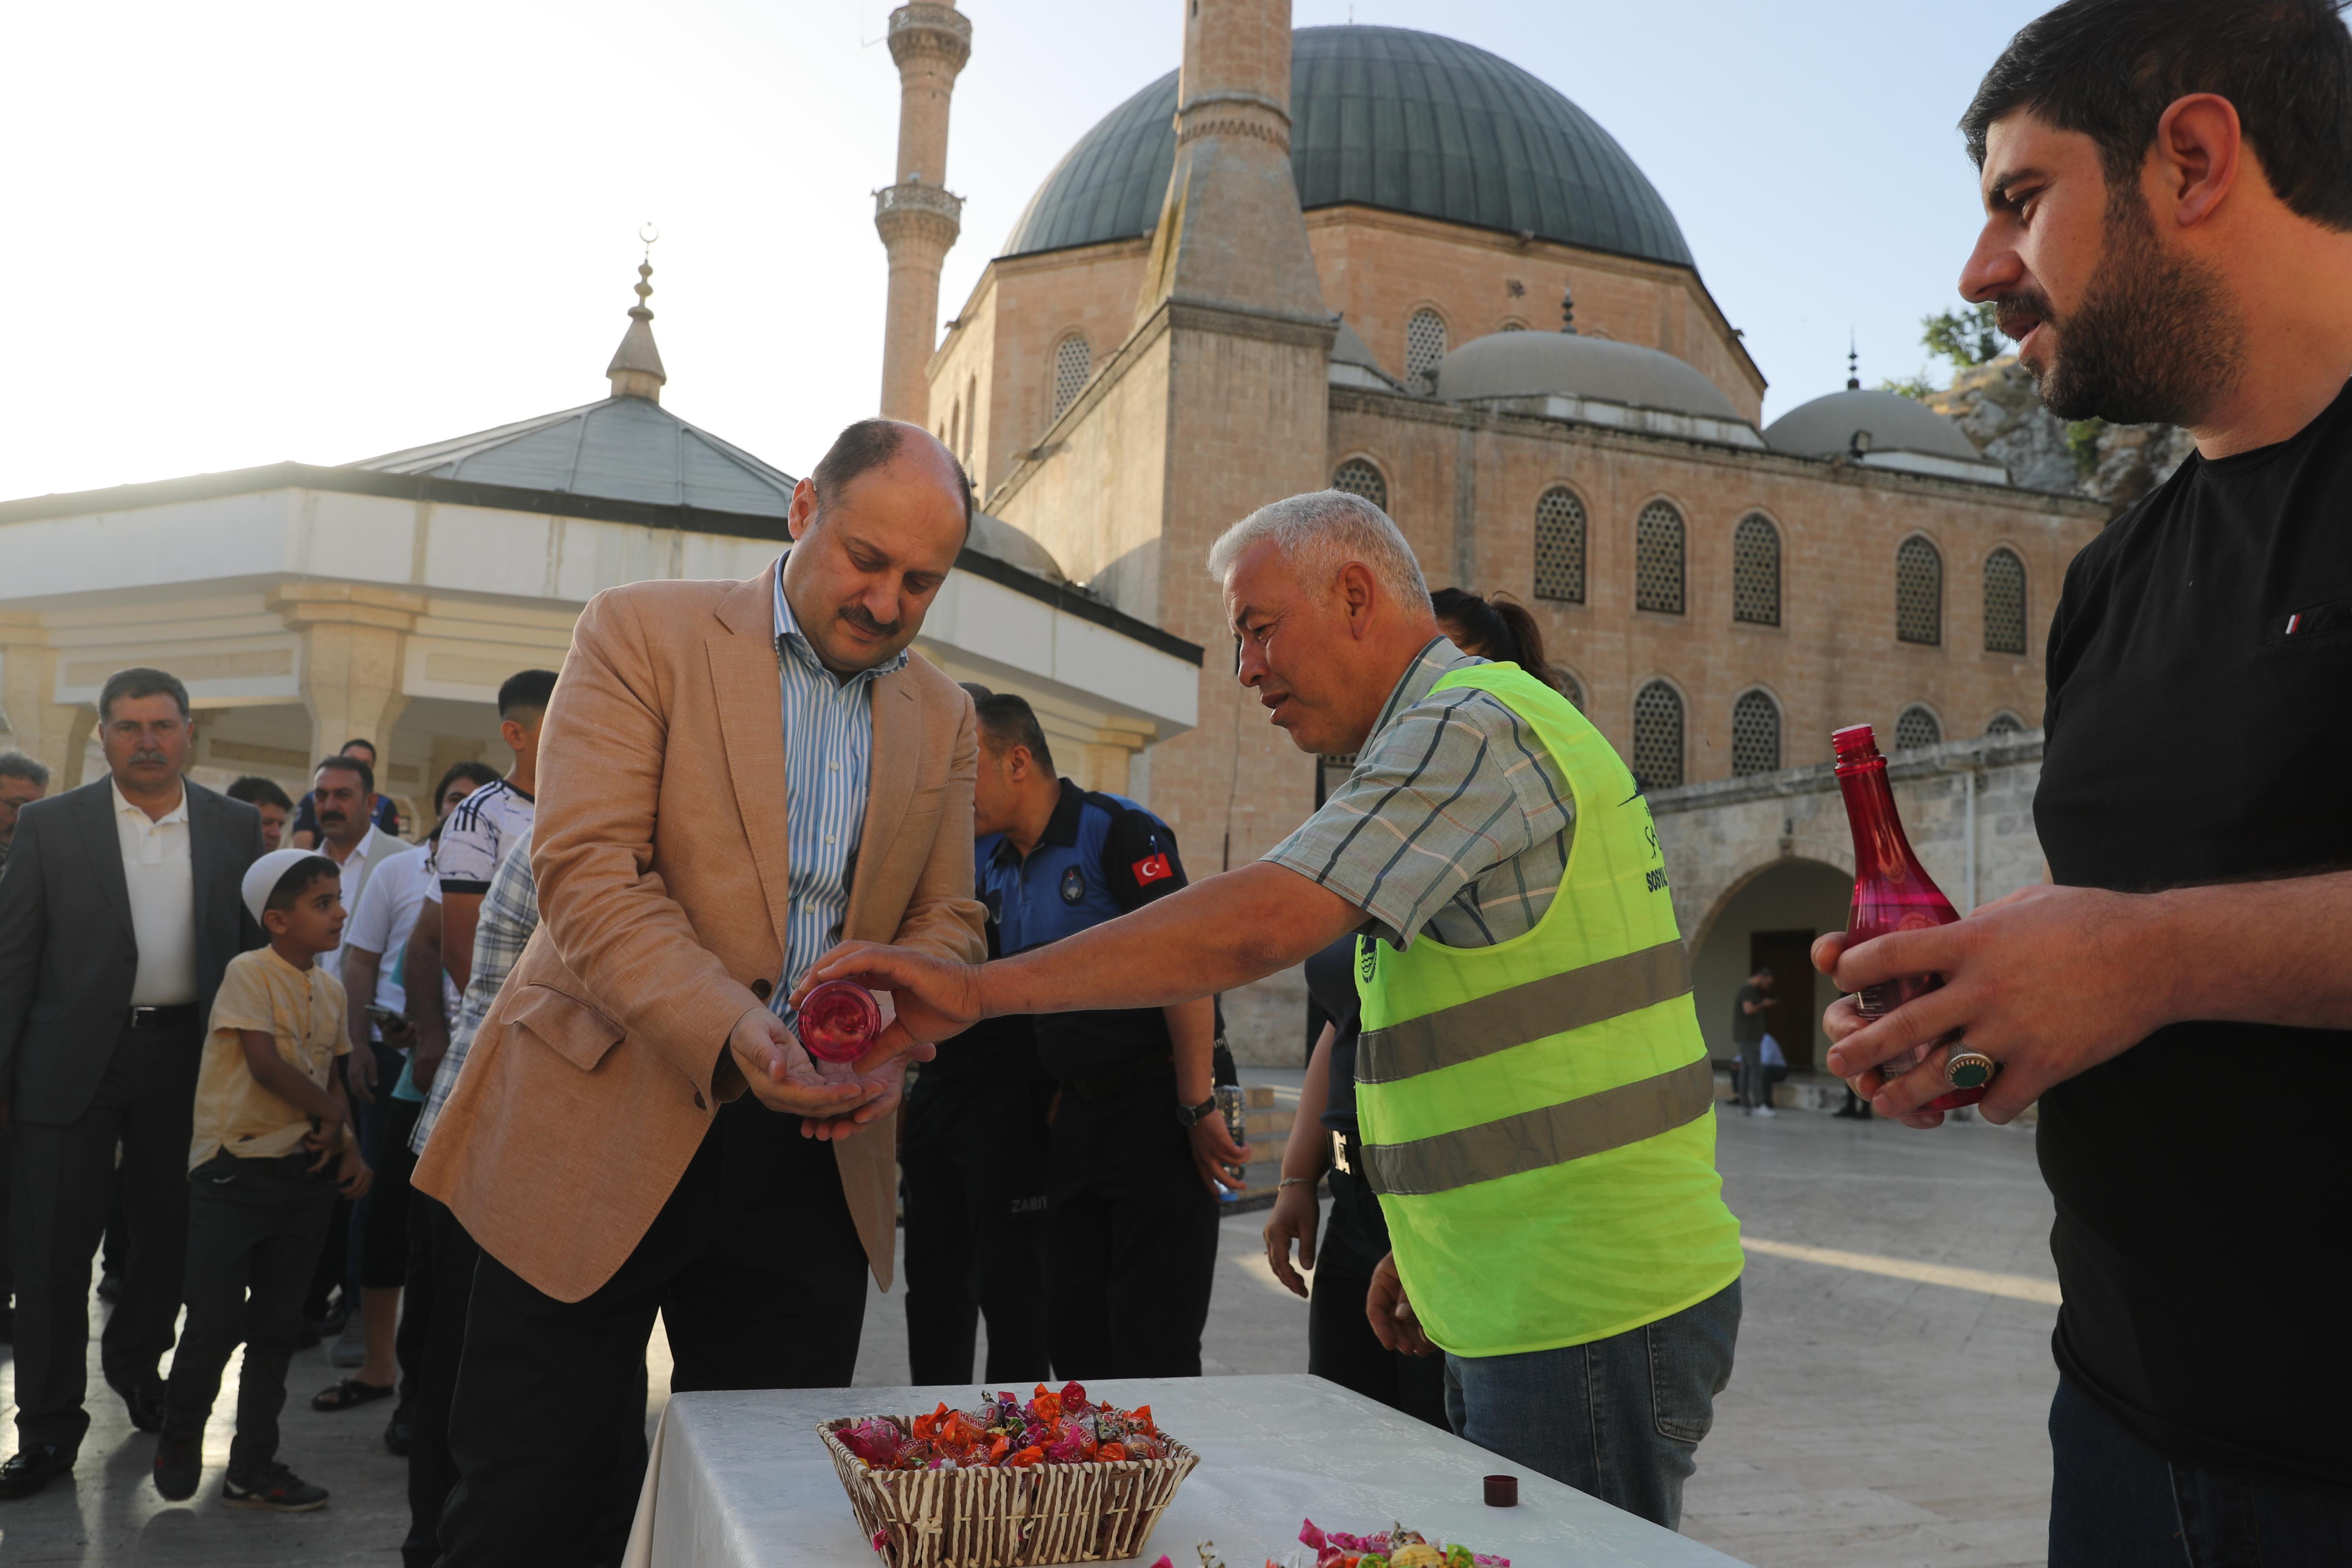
636	368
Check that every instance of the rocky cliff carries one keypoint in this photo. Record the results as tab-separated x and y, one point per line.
1995	404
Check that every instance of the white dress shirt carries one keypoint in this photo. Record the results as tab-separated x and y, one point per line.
162	880
369	852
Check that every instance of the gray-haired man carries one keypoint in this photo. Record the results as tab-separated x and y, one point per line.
1534	1098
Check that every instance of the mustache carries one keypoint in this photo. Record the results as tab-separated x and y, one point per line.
856	616
2012	312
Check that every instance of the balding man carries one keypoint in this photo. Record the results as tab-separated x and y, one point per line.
1534	1099
716	758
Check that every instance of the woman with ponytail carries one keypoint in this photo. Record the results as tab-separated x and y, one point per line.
1499	628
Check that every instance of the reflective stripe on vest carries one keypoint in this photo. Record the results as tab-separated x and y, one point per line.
1551	1006
1537	1115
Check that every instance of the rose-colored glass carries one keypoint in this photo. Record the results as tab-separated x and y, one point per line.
838	1021
1891	891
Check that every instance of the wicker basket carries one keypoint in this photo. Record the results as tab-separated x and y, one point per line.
1008	1519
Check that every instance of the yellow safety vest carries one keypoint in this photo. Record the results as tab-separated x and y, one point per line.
1538	1116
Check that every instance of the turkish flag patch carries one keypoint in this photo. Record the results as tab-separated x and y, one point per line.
1151	869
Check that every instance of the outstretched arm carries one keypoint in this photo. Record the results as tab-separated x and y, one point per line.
2049	982
1215	935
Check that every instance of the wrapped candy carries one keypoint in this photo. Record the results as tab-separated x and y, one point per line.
1054	1427
838	1021
876	1441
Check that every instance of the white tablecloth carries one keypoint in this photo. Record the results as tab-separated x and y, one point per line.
740	1481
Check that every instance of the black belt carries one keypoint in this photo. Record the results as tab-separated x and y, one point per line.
1124	1079
178	1015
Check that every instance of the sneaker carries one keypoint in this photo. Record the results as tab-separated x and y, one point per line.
351	1346
179	1464
275	1487
1766	1111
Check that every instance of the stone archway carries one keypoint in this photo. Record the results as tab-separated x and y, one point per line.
1786	895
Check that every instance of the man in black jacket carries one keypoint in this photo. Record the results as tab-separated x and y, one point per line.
119	911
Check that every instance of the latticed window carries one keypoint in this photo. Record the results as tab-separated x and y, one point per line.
2004	608
1425	343
1570	685
2004	723
1755	735
1072	360
1560	546
1358	478
1657	737
1756	572
1916	726
1918	591
1658	559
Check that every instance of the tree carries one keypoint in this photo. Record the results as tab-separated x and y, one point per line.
1964	337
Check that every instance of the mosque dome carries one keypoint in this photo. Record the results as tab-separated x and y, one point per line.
1891	423
1568	365
1389	118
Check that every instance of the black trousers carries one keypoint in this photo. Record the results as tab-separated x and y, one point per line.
431	1340
1131	1249
975	1226
1340	1344
64	1184
382	1233
759	1277
255	1228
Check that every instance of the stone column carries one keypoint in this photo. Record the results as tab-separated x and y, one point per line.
354	649
44	729
918	218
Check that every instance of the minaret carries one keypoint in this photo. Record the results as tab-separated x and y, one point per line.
1231	234
636	368
918	220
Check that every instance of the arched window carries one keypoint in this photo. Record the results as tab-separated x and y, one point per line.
1918	591
1560	546
2004	604
955	427
1573	687
1657	737
1072	360
1755	735
1756	572
971	415
2004	723
1357	477
1425	343
1658	559
1918	726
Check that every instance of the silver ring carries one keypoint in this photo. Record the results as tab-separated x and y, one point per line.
1969	1069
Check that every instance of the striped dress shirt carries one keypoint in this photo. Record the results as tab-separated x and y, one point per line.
1456	823
509	913
828	756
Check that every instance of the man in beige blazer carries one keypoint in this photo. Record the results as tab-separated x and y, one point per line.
735	775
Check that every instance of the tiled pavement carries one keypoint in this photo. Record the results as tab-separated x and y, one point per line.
1873	1419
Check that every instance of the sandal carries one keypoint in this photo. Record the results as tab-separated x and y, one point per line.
350	1395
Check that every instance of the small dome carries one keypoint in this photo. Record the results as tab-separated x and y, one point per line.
1568	365
993	537
1827	426
1383	117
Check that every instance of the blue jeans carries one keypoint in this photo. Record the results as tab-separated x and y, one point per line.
2115	1502
1619	1418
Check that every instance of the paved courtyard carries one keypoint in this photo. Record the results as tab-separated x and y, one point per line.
1886	1410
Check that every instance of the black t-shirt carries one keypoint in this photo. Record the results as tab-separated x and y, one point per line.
1331	980
2200	731
1746	1026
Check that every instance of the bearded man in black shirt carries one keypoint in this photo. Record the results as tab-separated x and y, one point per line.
2167	186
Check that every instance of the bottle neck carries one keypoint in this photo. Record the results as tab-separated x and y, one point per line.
1879	845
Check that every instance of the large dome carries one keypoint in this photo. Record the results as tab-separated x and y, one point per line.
1383	117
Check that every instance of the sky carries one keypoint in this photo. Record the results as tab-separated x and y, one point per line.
239	232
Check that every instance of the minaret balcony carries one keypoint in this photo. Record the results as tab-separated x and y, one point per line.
925	28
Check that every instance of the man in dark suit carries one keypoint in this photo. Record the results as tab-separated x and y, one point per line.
119	908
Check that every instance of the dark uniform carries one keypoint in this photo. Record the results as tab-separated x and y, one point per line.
1131	1228
975	1189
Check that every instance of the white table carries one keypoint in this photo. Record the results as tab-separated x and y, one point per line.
740	1481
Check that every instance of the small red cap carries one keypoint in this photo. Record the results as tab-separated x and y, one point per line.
1853	740
1502	1491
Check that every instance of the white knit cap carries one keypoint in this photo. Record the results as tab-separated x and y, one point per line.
261	878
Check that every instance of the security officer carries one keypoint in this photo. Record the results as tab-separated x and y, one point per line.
1136	1152
974	1180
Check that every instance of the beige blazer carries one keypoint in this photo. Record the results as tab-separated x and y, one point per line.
660	858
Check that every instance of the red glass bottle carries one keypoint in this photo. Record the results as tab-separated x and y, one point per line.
1891	891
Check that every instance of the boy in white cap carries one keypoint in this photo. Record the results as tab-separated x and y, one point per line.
271	1123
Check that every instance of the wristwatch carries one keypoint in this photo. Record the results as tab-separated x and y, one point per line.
1191	1115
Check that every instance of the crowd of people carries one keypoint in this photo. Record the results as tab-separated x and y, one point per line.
572	1098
